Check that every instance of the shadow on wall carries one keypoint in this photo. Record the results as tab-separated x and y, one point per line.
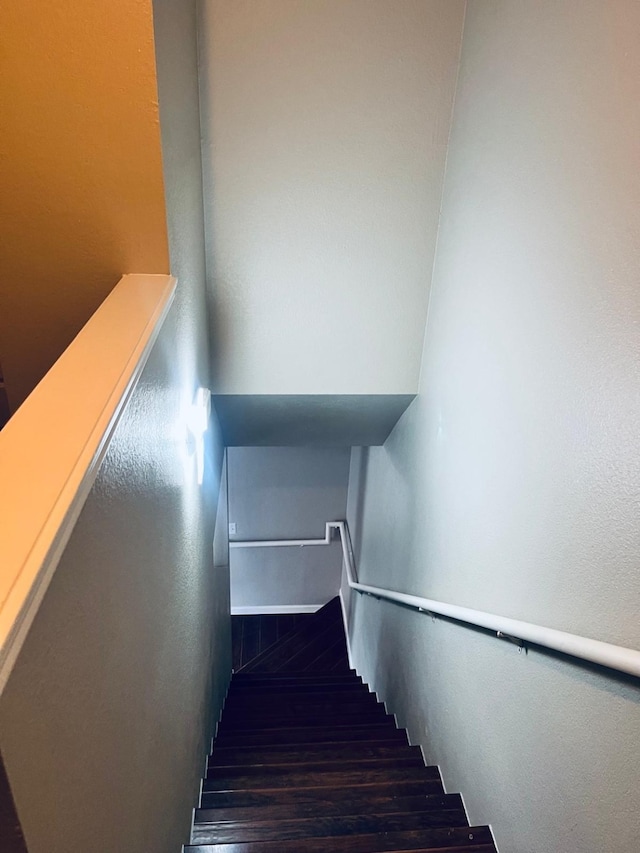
360	462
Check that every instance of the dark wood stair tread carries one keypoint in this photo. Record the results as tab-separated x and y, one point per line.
375	715
290	771
346	693
280	796
384	729
225	757
258	691
475	839
349	803
299	711
324	779
226	832
303	704
242	678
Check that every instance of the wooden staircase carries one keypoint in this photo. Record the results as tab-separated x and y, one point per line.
307	759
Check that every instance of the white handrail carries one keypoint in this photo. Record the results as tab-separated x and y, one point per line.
595	651
604	654
284	543
51	449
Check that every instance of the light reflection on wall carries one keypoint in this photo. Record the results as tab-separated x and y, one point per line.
197	421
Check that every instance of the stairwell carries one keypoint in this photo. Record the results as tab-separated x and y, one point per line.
307	759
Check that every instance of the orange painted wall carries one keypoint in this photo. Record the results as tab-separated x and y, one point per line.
81	188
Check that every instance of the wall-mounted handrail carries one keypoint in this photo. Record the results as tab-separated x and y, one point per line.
604	654
284	543
595	651
51	449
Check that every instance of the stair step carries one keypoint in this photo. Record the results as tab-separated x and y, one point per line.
382	730
302	796
303	707
272	771
352	802
242	678
301	699
286	778
225	832
474	839
225	757
245	699
281	681
375	715
292	688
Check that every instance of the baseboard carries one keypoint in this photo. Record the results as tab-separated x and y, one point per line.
275	609
346	630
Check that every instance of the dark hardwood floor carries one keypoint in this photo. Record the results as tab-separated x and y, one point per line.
252	635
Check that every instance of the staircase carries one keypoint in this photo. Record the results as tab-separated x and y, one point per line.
306	759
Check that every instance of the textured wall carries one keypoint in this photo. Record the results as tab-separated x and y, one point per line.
325	125
106	719
512	482
80	169
285	493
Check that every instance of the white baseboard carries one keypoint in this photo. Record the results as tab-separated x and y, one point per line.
266	609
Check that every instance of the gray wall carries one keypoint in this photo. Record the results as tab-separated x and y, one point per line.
105	721
512	482
285	493
325	126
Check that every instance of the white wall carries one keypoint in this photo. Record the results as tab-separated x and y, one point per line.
324	132
285	493
80	169
511	484
106	718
